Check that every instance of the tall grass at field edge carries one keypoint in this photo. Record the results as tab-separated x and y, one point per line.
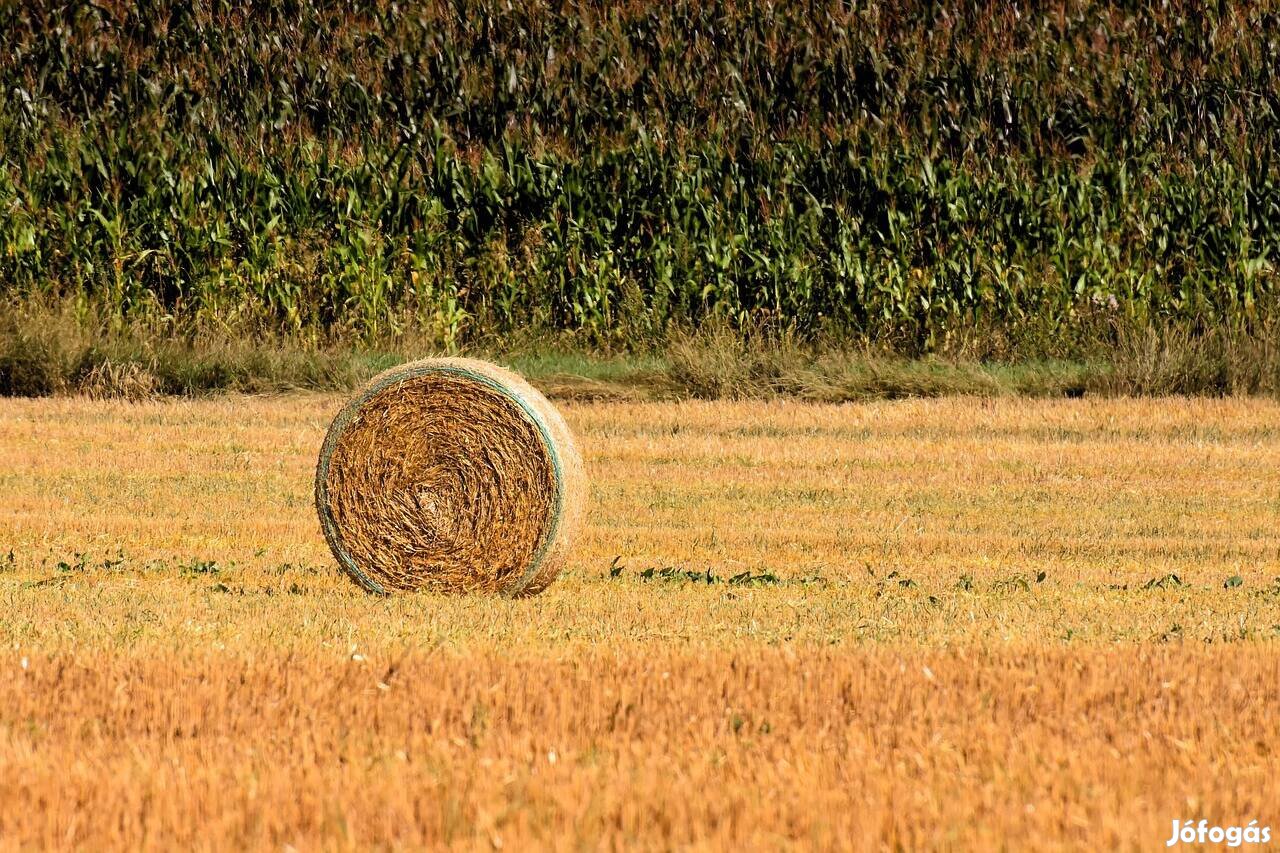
50	348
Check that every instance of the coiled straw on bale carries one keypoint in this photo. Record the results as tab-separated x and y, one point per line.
452	475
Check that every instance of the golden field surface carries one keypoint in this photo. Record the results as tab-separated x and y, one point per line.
969	623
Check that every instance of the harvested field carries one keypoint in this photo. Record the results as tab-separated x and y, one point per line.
925	624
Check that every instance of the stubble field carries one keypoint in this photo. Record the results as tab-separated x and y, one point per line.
917	624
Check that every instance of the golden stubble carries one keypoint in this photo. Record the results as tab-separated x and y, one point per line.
181	663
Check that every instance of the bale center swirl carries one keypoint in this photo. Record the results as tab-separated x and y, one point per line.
440	482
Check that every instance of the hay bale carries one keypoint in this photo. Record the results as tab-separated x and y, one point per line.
452	475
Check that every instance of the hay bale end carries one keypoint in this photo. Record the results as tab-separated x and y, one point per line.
453	475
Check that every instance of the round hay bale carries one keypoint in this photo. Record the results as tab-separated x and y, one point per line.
452	475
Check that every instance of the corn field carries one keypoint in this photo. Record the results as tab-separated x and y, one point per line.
894	171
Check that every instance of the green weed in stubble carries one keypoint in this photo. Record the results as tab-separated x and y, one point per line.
706	577
80	562
200	568
891	581
1169	581
1018	582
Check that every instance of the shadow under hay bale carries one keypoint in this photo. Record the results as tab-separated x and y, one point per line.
452	475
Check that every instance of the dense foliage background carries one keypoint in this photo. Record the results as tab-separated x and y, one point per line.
895	171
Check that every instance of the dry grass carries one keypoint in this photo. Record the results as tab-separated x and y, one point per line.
182	665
